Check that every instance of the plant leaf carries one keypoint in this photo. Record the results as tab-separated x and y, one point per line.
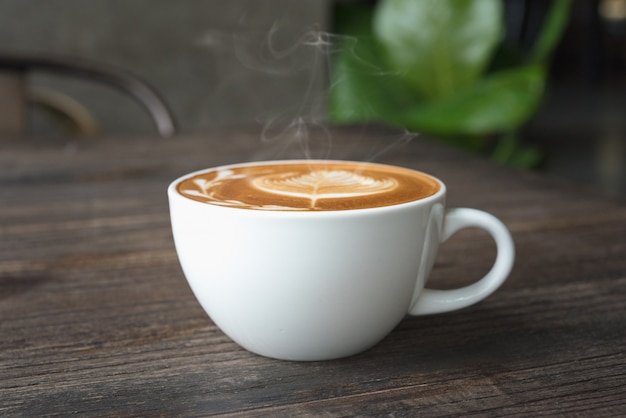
439	46
553	27
363	88
501	102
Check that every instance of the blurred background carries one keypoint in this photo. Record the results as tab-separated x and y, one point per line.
187	52
245	62
581	124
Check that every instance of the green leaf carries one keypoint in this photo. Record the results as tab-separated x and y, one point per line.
553	27
439	46
363	87
501	102
354	94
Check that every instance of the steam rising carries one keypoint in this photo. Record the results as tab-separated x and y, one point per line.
298	129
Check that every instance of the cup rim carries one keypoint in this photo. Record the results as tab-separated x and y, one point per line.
173	192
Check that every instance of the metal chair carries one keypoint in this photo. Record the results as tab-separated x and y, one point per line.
14	97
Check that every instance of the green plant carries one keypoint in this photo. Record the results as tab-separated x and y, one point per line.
441	67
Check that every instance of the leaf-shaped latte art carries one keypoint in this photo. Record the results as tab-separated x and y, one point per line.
324	184
308	186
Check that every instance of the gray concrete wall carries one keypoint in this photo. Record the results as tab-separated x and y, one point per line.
216	62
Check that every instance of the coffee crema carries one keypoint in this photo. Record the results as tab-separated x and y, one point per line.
308	186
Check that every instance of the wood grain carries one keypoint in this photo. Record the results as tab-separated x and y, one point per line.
96	318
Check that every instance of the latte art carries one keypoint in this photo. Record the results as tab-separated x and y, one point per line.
308	186
323	184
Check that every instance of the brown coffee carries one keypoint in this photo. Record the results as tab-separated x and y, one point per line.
308	186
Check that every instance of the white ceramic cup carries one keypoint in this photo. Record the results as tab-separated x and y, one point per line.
325	284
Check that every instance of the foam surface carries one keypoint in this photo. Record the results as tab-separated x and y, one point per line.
308	186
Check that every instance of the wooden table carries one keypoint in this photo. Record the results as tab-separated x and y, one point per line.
97	319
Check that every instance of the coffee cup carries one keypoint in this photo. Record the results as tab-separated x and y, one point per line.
320	259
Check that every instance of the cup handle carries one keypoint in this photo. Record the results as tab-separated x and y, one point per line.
432	301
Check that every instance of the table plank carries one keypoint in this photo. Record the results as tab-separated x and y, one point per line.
97	319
